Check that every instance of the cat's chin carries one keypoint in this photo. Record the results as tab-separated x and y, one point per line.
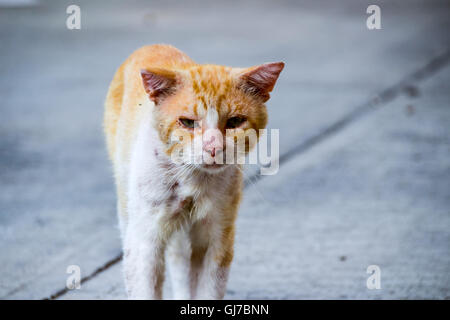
212	168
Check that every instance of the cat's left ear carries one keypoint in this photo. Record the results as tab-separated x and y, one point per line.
158	83
260	80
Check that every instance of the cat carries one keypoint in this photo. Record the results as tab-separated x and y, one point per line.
167	208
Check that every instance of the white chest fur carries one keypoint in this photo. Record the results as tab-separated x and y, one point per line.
173	205
175	193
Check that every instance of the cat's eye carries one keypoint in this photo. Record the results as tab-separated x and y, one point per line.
188	123
235	122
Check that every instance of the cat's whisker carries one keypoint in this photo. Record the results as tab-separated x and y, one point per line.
254	185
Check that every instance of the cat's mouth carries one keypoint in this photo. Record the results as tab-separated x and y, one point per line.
213	167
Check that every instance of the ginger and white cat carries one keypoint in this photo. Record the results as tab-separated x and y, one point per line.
188	207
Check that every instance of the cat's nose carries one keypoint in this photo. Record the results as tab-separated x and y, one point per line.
212	142
212	150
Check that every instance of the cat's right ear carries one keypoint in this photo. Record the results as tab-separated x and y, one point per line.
158	83
260	80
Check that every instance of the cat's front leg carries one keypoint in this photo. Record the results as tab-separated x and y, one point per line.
179	258
213	278
213	274
143	261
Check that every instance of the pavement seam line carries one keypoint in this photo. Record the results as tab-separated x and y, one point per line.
384	97
104	267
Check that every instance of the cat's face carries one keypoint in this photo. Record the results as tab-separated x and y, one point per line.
204	113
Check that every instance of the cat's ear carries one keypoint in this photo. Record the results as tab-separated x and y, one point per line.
158	83
260	80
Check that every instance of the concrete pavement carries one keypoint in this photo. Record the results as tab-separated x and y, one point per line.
364	133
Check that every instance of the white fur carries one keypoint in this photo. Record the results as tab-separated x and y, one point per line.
212	118
151	225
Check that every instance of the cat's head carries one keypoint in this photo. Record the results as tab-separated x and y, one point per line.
202	113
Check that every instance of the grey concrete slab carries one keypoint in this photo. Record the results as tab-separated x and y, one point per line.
57	199
376	193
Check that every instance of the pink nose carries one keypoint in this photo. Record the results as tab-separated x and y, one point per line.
212	142
212	149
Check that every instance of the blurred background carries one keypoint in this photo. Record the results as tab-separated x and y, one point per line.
364	121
